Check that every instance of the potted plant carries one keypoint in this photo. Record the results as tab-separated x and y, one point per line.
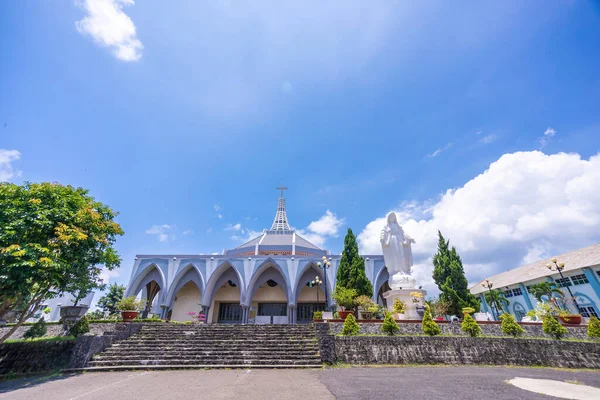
344	298
130	308
398	309
317	315
567	317
367	306
440	308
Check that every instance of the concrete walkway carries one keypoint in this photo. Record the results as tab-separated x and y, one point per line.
342	383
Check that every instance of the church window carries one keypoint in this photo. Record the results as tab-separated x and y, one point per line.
579	279
563	282
588	311
271	283
232	283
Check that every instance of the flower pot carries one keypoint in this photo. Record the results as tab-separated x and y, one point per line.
573	319
344	314
439	318
72	313
366	315
129	316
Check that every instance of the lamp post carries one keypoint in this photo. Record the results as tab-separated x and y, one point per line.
488	285
317	282
559	266
326	264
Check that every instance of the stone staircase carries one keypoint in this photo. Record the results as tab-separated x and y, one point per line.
170	346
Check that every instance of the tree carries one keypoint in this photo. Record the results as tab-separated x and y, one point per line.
351	327
548	289
470	326
428	324
449	275
351	272
389	325
108	302
593	328
36	330
53	240
510	325
497	298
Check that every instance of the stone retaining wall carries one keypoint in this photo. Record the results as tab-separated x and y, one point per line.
466	350
488	329
57	330
42	356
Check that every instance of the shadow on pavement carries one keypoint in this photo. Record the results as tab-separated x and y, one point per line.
8	384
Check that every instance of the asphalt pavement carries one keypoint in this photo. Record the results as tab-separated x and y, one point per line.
443	382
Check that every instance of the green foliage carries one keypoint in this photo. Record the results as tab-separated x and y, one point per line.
108	302
593	327
449	275
468	310
36	330
364	302
428	324
470	326
552	327
344	297
52	241
41	339
548	289
318	315
496	298
130	304
351	327
389	325
398	307
351	272
95	315
510	325
80	327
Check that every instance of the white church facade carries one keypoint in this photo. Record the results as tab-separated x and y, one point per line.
269	276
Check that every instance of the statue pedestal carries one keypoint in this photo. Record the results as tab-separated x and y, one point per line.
410	307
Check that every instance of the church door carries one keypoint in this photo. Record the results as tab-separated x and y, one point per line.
230	313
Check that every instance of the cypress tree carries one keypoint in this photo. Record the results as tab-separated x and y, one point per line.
351	272
449	275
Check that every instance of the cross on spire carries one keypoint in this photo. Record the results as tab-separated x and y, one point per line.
280	223
282	188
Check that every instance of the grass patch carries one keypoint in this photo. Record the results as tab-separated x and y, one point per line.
42	339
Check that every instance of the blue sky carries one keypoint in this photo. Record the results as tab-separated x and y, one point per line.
184	116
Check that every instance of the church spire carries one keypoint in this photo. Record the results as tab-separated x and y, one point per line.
280	223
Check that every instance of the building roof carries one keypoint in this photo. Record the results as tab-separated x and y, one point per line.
576	259
279	238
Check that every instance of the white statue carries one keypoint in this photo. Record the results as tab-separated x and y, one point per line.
396	245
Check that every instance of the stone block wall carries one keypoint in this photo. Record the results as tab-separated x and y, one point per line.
414	328
466	350
57	329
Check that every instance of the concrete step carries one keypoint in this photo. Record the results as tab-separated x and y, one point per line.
177	367
192	350
239	361
213	357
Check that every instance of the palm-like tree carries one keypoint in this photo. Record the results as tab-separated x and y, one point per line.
547	289
497	298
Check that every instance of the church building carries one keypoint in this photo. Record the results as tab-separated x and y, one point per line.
272	276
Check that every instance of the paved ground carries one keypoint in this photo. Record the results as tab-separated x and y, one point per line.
343	383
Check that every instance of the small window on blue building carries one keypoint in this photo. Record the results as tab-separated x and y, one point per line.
563	282
579	279
587	311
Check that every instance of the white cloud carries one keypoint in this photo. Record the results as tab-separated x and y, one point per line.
439	151
106	275
188	232
163	232
245	235
548	135
525	206
217	207
106	22
220	216
7	172
488	139
317	232
236	227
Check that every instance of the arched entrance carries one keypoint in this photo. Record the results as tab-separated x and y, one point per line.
222	297
309	297
149	283
184	295
381	286
268	294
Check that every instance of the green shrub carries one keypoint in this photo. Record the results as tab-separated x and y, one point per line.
389	325
345	297
470	326
553	328
468	310
130	304
351	327
428	325
398	307
594	327
37	330
510	325
318	315
80	327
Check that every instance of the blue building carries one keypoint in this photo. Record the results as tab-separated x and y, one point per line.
269	276
580	277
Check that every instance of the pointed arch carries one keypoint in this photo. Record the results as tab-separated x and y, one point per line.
222	274
380	280
262	274
307	273
190	273
151	272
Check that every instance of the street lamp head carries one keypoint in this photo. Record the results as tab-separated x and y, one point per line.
549	266
561	265
324	258
553	259
328	264
319	264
